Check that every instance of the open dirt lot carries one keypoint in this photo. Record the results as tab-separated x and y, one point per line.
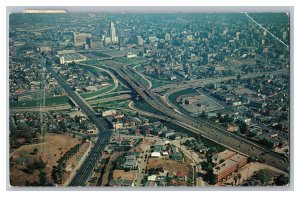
170	165
121	174
50	151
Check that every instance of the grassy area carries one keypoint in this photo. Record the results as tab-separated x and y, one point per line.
143	105
111	94
102	90
140	79
59	100
139	68
120	88
95	93
99	54
96	70
174	96
157	83
117	104
90	62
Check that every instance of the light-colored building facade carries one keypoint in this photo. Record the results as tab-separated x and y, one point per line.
112	33
230	165
80	38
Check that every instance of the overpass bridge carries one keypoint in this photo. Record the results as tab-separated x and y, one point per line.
209	131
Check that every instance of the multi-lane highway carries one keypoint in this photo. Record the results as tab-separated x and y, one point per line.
104	136
207	130
201	82
200	127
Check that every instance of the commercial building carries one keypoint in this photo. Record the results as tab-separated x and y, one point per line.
139	41
167	37
230	165
130	162
94	43
222	156
130	55
109	113
80	38
112	33
71	57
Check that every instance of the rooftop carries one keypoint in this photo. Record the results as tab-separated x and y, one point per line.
224	166
227	164
226	154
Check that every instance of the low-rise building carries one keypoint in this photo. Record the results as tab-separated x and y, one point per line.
109	112
230	165
222	156
156	155
130	165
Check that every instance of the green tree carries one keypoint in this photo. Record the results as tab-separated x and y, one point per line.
235	180
203	115
43	180
239	177
243	127
35	151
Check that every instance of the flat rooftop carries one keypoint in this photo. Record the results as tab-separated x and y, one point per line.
226	154
234	160
219	169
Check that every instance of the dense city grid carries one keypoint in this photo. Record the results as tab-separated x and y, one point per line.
149	99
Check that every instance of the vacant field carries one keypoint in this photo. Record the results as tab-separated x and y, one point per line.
115	104
157	83
58	100
121	174
136	149
54	147
142	146
170	165
147	142
99	54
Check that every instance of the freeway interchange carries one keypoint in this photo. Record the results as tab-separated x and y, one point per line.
201	127
204	128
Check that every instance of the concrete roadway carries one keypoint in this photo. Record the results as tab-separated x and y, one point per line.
201	82
206	130
149	82
115	80
115	98
281	163
90	162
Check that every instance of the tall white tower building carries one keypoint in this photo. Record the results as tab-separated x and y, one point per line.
167	37
112	33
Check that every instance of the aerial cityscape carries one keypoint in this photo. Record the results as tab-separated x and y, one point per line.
149	99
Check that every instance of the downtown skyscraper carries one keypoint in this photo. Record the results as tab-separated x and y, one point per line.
112	33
